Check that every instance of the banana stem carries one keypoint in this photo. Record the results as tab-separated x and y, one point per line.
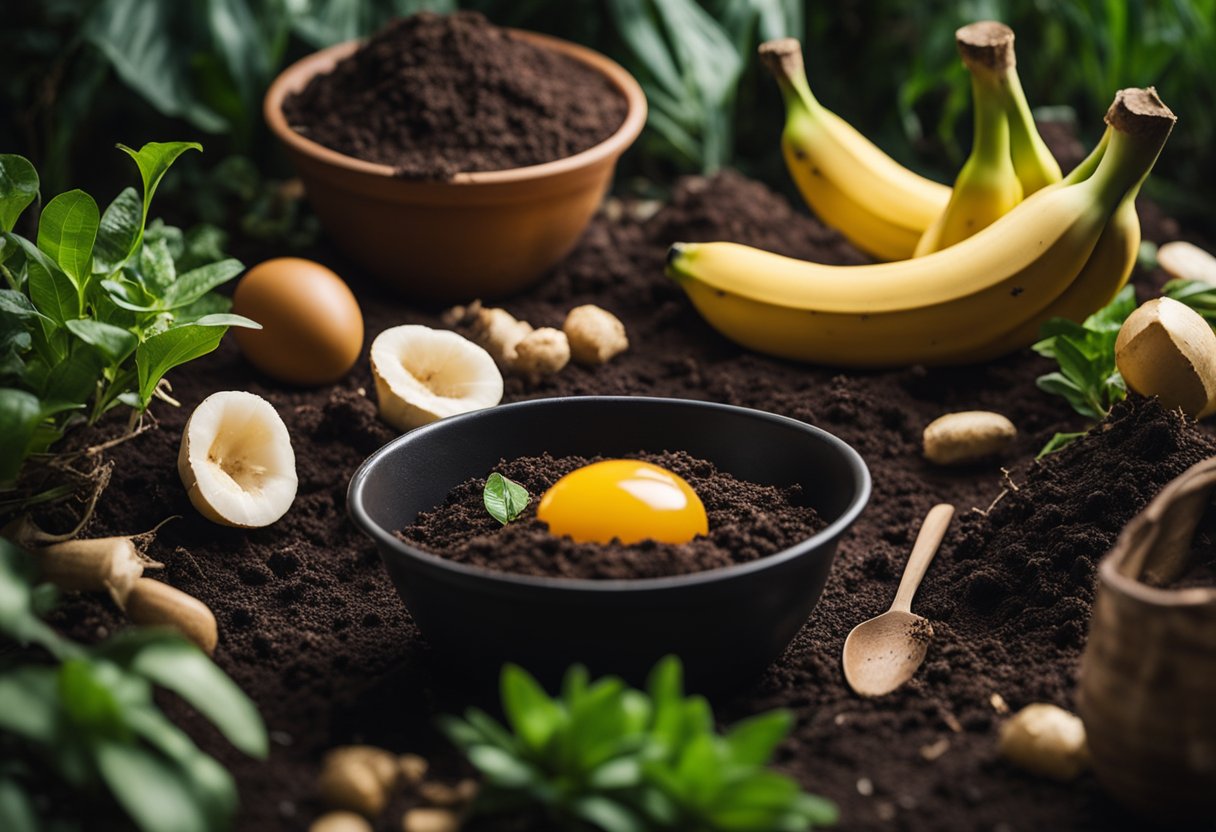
1140	124
1086	167
991	125
783	58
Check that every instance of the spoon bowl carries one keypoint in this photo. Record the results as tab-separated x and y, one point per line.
883	653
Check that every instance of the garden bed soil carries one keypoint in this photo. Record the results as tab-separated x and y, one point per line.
436	95
746	521
311	628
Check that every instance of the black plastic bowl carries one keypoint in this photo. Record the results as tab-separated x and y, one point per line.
726	624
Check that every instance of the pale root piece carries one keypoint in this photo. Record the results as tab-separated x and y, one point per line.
1045	740
1187	261
430	820
499	333
1166	349
968	436
153	603
596	335
412	768
424	374
441	794
340	822
236	460
544	352
383	764
103	564
349	783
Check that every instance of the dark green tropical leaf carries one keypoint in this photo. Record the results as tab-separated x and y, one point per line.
18	188
67	229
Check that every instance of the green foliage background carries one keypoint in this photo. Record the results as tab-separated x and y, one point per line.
68	69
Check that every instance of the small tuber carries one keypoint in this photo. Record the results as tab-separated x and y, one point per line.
152	603
596	335
1045	740
1166	349
543	352
340	822
968	436
430	820
103	564
1187	261
359	778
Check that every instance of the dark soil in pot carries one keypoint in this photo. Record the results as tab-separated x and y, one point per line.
312	629
436	95
746	521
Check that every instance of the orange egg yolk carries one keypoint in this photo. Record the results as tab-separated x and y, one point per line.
624	499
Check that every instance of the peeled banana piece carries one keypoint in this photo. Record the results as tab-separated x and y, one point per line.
946	307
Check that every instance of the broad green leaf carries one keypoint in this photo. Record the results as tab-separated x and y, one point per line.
184	669
29	703
209	304
152	793
118	233
154	160
504	499
52	291
753	741
225	319
489	728
698	769
20	413
818	810
501	768
171	348
156	267
760	789
17	812
74	380
16	305
114	342
192	285
460	733
129	295
67	229
18	188
86	689
534	716
132	34
621	773
1111	317
607	814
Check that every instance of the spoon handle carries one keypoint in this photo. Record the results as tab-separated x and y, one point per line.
930	537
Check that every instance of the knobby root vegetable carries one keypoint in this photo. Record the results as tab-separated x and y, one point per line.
430	820
441	794
1166	349
102	564
412	769
152	603
1045	740
340	822
360	778
543	352
596	335
968	436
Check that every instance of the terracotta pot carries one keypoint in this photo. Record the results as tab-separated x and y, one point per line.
483	234
1148	676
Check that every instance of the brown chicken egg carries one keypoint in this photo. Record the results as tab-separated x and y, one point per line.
312	328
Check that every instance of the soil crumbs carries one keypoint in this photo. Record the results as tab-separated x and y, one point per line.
311	628
747	521
435	95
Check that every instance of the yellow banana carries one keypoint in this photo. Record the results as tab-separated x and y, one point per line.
877	204
987	187
946	307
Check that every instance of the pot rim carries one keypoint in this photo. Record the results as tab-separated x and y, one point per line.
298	74
1142	531
385	538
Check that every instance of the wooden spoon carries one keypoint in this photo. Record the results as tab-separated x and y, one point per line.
883	653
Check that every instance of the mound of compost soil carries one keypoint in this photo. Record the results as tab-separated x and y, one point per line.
747	521
435	95
311	628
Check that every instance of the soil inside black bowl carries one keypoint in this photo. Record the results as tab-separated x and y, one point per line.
747	521
435	95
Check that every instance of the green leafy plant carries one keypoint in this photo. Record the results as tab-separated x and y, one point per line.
605	756
86	715
98	306
504	498
1196	294
1088	378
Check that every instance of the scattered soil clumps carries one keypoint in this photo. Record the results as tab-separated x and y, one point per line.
747	521
436	95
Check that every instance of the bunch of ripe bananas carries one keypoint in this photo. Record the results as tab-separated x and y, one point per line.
974	270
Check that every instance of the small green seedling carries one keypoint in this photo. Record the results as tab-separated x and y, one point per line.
505	499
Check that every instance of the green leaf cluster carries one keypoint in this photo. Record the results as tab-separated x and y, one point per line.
504	499
605	756
88	717
1196	294
1088	378
99	305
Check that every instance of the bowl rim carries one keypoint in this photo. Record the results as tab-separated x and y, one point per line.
299	73
384	537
